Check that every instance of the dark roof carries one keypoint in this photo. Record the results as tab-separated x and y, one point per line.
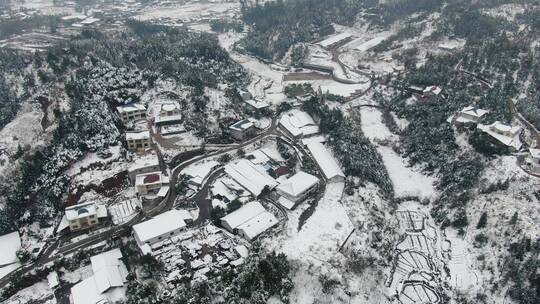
152	178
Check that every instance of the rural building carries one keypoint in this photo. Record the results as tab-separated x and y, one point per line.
166	113
150	183
85	215
161	227
108	282
470	114
296	188
10	244
534	155
249	221
131	112
432	91
138	141
257	105
506	134
249	176
326	162
335	40
245	95
146	164
298	124
242	129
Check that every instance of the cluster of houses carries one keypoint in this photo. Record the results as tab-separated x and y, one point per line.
500	133
507	135
108	282
145	174
193	253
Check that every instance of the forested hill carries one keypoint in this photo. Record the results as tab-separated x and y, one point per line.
95	72
278	25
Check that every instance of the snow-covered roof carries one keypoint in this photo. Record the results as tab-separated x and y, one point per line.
81	210
285	202
242	251
474	111
535	153
160	225
258	157
243	124
137	135
9	243
105	259
244	214
325	160
334	39
163	191
86	292
258	224
299	123
506	134
249	176
52	279
109	272
73	17
435	90
89	20
148	160
132	107
298	183
257	104
167	118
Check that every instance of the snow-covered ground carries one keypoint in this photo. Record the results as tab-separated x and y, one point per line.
37	293
407	181
322	234
316	245
191	11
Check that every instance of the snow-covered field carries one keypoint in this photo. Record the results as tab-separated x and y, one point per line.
195	10
316	246
407	181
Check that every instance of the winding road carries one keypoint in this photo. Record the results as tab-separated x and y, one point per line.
57	249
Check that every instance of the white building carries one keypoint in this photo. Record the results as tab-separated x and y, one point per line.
470	114
166	112
10	244
249	221
150	183
334	40
138	141
535	160
432	91
296	188
298	124
242	129
161	227
84	215
326	162
146	164
249	176
107	284
506	134
257	104
132	112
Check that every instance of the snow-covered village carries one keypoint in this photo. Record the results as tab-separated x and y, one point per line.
271	151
